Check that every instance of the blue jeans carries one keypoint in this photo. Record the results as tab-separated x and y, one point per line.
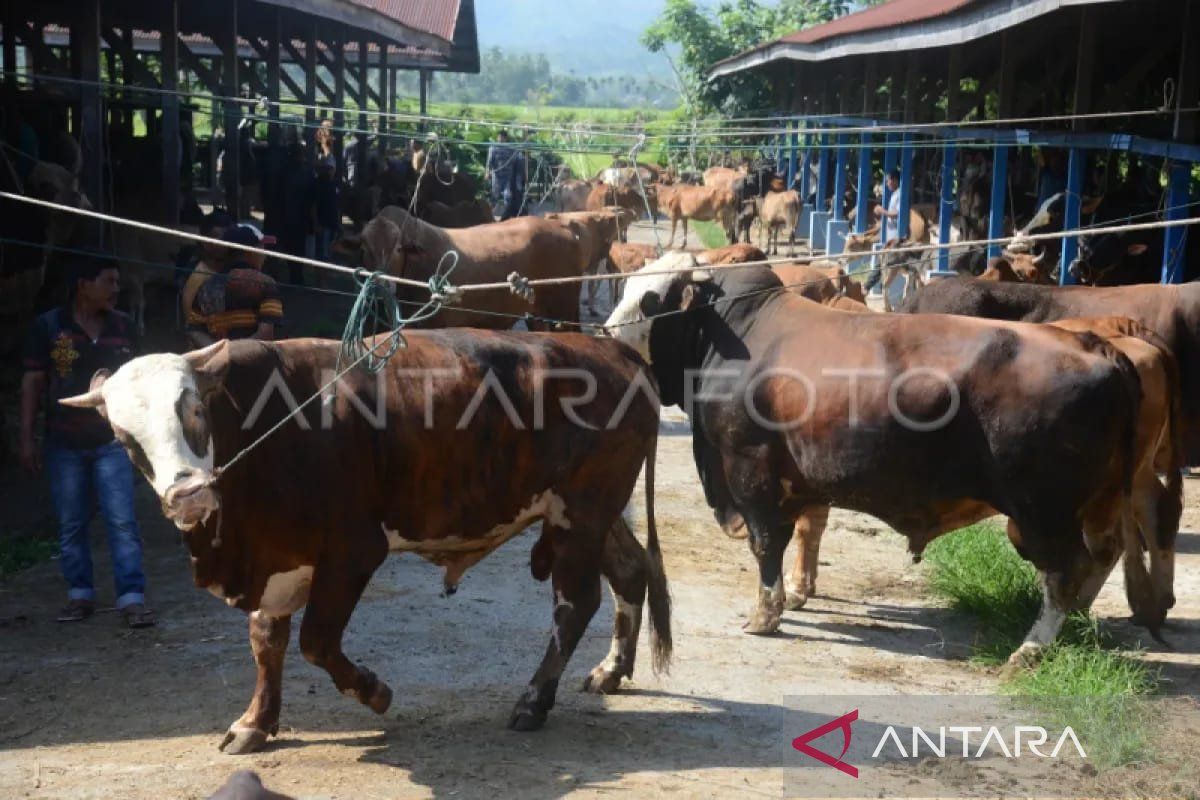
80	480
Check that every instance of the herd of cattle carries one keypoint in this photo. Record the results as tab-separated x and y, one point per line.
1071	411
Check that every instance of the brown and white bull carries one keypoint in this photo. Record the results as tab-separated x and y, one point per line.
464	440
929	424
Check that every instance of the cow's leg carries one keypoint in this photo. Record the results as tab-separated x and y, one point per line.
576	579
683	246
623	564
336	588
769	540
268	641
1157	510
889	277
801	584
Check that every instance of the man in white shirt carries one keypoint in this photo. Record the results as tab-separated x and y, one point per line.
890	219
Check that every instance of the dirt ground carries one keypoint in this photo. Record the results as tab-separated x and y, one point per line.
96	711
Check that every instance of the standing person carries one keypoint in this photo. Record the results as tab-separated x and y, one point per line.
516	191
889	218
499	170
299	208
69	351
328	216
237	300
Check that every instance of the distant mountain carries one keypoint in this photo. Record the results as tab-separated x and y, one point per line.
588	37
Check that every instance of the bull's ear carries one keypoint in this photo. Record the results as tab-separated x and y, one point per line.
1091	204
691	296
210	365
1137	249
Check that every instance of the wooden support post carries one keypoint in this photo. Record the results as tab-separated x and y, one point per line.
392	104
424	94
999	198
1188	82
385	99
364	93
1006	87
9	21
1084	67
171	143
275	78
793	147
1179	190
1071	216
227	40
805	169
339	100
310	77
85	44
954	85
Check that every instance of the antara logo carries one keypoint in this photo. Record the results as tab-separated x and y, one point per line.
1024	737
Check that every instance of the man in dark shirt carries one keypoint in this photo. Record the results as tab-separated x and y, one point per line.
234	299
69	349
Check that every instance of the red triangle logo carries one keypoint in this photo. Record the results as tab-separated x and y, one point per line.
801	743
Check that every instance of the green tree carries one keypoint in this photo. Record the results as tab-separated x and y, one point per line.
704	36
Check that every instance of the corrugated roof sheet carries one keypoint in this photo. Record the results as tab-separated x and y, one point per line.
433	16
886	15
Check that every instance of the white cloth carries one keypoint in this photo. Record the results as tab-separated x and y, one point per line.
893	221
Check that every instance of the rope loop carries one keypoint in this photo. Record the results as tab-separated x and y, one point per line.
518	284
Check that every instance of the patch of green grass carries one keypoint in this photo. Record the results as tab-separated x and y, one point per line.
21	552
711	234
979	572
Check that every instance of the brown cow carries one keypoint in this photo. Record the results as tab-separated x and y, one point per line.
919	226
817	284
535	248
393	463
932	436
730	254
572	195
1155	509
463	214
706	203
723	176
603	196
597	230
1172	312
780	210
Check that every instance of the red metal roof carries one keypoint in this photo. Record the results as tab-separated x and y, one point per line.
885	15
438	17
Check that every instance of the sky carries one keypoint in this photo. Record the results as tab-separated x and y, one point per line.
593	37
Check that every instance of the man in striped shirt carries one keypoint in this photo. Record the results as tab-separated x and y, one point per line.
234	299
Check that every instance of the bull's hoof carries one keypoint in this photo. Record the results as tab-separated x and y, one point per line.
240	740
794	600
381	698
763	623
526	719
1024	659
602	681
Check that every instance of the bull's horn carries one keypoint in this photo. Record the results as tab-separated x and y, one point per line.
1039	258
90	399
198	358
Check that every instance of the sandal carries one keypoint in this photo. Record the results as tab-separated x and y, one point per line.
137	615
76	611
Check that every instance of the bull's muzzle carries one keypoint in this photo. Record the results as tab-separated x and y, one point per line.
189	502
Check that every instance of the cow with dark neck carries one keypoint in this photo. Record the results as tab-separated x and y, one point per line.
463	441
929	424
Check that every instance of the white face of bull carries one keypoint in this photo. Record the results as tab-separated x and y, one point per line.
632	318
155	407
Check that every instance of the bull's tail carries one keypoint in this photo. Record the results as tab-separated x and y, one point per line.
659	594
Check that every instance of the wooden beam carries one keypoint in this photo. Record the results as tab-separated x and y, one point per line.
209	78
326	91
1188	82
339	99
910	87
43	58
424	92
1006	80
954	70
384	121
133	70
870	86
171	145
364	91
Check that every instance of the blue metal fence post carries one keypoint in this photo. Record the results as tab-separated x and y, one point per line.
839	179
906	185
999	196
793	144
823	174
1071	216
946	212
1175	239
890	156
862	212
